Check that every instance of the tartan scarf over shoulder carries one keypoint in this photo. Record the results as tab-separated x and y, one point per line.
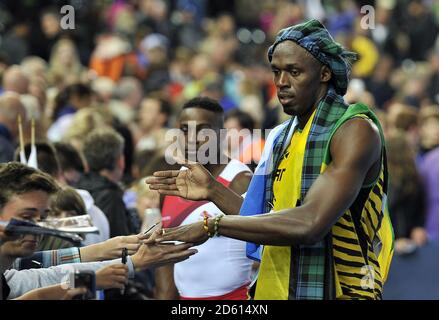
313	264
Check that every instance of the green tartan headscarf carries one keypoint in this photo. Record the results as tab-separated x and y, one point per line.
315	38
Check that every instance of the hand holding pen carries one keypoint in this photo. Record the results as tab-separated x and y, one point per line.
124	261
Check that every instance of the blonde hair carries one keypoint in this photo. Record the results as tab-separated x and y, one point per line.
59	73
85	121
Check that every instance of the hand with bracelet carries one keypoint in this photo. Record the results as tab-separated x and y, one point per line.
196	233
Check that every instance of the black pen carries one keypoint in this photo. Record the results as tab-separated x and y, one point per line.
124	255
124	261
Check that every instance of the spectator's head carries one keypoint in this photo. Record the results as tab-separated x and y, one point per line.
84	121
70	161
200	117
46	157
15	80
103	151
154	114
401	161
37	88
130	91
405	118
235	121
155	48
10	108
78	96
34	66
65	65
32	106
200	66
104	88
50	22
429	127
24	194
67	203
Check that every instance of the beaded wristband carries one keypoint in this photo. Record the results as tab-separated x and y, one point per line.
206	226
216	224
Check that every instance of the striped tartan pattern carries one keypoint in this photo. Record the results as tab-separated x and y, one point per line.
49	258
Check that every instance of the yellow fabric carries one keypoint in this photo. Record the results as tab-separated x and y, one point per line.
365	281
386	235
353	278
274	272
369	56
373	211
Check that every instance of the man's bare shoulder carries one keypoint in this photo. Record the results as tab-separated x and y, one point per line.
358	139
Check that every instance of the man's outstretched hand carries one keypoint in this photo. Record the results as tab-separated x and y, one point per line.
153	254
193	233
195	183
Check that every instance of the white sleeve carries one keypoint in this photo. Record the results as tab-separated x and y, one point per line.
23	281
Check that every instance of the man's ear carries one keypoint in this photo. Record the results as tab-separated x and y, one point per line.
325	74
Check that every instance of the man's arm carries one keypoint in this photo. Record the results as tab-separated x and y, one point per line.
56	292
229	200
147	256
355	148
107	250
165	288
109	277
23	281
197	183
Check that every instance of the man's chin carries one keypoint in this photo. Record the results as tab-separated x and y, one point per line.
289	110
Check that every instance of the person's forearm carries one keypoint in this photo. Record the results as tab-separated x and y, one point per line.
280	228
23	281
225	198
91	253
55	292
165	287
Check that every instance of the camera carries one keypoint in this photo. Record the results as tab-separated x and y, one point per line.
84	278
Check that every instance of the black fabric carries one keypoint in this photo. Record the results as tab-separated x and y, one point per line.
108	197
5	289
128	148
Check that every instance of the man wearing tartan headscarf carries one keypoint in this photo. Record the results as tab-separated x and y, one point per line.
317	201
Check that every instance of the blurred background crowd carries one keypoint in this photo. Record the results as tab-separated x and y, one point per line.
130	65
